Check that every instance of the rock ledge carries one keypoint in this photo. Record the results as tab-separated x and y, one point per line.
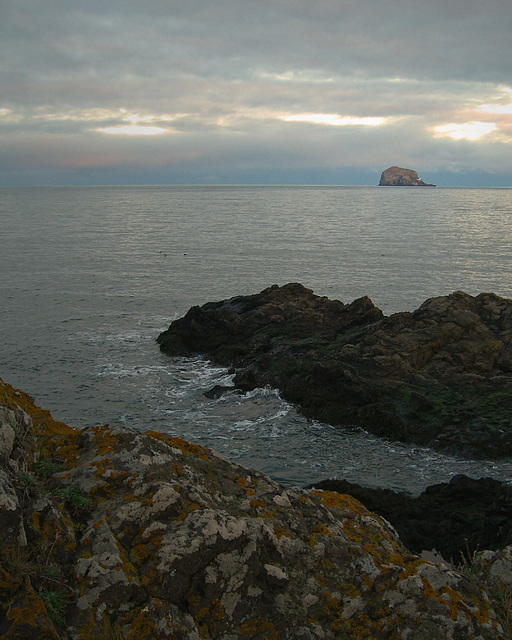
113	533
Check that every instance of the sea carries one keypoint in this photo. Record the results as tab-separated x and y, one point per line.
91	275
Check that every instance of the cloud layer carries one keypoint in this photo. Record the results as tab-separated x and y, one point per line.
287	90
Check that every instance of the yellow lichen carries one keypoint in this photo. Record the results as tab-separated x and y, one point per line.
340	501
177	469
54	439
321	530
350	590
202	614
455	603
359	627
104	439
257	625
327	564
410	567
102	466
186	507
331	602
178	443
218	611
266	513
139	625
280	532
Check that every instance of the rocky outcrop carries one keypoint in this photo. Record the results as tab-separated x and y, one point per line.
398	177
456	518
439	376
114	533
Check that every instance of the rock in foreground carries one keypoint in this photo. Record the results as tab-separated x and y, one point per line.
457	518
398	177
112	533
440	376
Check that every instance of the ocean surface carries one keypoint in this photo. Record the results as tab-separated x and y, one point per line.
91	275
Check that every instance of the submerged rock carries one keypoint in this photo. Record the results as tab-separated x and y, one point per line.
439	376
113	533
398	177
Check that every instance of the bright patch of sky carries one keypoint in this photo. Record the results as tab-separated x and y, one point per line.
335	119
501	109
138	125
133	130
466	130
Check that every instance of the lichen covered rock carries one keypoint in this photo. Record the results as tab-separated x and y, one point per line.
146	536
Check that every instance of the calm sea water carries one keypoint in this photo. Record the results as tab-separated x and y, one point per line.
90	276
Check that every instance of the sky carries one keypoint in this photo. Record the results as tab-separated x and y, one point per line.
243	92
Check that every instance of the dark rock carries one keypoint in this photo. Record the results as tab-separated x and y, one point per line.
398	177
440	376
457	518
175	542
218	391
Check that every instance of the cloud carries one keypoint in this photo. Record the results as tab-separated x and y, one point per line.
253	86
500	109
466	130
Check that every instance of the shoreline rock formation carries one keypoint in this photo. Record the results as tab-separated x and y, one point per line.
399	177
109	532
440	376
456	518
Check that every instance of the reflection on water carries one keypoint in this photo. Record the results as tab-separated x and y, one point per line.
91	276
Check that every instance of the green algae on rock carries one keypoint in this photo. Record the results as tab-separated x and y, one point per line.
176	542
439	376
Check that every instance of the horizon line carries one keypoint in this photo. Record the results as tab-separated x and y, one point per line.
243	184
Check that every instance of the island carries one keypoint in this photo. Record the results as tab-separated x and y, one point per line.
399	177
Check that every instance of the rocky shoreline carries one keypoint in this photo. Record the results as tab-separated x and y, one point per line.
109	532
439	376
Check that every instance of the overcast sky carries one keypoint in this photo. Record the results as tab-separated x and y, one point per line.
273	91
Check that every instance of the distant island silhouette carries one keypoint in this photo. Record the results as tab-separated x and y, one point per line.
399	177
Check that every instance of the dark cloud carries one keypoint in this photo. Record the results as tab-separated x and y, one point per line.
81	82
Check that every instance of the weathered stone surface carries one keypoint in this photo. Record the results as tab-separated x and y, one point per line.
441	375
399	177
145	536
